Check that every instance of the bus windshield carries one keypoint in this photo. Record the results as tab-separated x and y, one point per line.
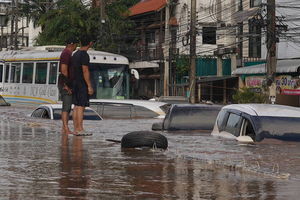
110	81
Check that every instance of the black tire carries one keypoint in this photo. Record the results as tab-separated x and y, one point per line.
144	139
157	126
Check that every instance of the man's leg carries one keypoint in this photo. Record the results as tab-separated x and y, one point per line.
80	117
66	109
65	120
75	119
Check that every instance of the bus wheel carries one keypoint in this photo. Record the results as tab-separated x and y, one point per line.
144	139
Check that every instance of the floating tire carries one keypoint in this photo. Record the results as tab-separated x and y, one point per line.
144	139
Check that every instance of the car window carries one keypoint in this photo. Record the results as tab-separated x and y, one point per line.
38	112
122	111
221	119
248	129
233	124
88	115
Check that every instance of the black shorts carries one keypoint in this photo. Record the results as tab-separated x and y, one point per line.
80	94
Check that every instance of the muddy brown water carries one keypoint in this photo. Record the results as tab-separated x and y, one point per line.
38	162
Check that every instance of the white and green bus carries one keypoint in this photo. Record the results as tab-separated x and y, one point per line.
31	75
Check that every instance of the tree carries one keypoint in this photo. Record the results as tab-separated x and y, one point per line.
35	9
70	18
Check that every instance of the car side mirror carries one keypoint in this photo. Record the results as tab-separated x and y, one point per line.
135	73
245	139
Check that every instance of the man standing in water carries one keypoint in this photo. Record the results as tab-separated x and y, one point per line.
82	87
65	83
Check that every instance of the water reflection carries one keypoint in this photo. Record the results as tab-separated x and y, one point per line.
73	181
36	163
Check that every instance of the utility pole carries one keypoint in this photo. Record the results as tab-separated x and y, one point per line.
166	51
16	24
271	46
192	75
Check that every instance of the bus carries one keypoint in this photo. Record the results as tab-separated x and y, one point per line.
31	75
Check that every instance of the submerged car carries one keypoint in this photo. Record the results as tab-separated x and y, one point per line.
53	111
256	122
189	117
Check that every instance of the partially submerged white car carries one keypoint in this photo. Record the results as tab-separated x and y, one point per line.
256	122
53	111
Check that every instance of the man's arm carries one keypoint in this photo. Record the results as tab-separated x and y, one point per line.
86	76
64	71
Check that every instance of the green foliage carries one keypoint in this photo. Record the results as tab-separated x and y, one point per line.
114	35
70	18
246	95
182	65
61	19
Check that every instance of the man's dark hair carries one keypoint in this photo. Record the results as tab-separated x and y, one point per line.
71	40
85	41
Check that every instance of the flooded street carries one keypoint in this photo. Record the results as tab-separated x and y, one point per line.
37	162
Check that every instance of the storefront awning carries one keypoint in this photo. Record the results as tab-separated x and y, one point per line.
283	66
143	64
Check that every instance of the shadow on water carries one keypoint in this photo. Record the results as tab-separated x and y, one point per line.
38	163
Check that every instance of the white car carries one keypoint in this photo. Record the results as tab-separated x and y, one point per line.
255	122
53	111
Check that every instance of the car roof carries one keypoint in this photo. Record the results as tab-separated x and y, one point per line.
57	106
271	110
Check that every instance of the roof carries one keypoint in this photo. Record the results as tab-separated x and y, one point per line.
266	110
146	6
283	66
33	55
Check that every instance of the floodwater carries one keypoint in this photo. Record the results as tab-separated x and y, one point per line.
38	162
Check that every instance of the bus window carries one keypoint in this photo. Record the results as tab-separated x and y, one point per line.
15	72
27	73
1	72
53	73
41	73
6	73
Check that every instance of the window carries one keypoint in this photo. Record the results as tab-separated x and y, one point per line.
233	124
151	37
15	73
1	72
27	73
53	73
6	73
209	35
254	40
255	3
240	5
221	119
41	73
247	129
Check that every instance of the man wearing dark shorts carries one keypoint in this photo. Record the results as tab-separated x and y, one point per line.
65	83
82	87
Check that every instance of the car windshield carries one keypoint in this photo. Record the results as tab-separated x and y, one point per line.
88	115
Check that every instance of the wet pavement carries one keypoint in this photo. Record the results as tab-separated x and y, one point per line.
38	162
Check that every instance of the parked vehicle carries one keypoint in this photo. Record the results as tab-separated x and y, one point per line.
189	117
30	75
53	111
256	122
129	108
